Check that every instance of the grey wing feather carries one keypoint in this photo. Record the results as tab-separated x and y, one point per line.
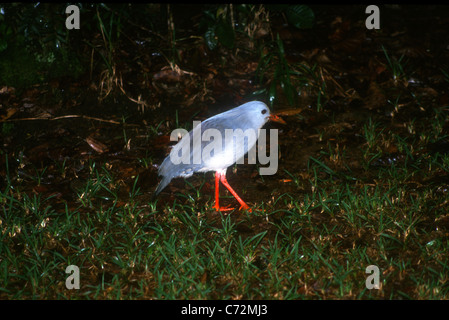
168	170
164	182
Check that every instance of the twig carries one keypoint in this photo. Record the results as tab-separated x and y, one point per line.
63	117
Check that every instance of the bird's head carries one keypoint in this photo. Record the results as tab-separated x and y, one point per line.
259	113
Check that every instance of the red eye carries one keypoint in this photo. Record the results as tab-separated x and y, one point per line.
264	111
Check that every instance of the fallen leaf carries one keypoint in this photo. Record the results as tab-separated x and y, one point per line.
9	113
96	145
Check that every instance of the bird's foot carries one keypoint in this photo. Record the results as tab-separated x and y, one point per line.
227	208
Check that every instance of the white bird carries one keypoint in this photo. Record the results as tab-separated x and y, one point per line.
202	156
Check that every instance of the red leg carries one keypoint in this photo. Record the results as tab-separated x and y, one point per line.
218	176
223	180
217	191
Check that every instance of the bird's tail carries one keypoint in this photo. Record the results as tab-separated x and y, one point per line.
164	182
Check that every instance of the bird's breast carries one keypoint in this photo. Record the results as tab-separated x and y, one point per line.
221	151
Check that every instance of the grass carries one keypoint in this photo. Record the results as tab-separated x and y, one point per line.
396	66
313	246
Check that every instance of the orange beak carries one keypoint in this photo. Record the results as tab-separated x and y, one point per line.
276	118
